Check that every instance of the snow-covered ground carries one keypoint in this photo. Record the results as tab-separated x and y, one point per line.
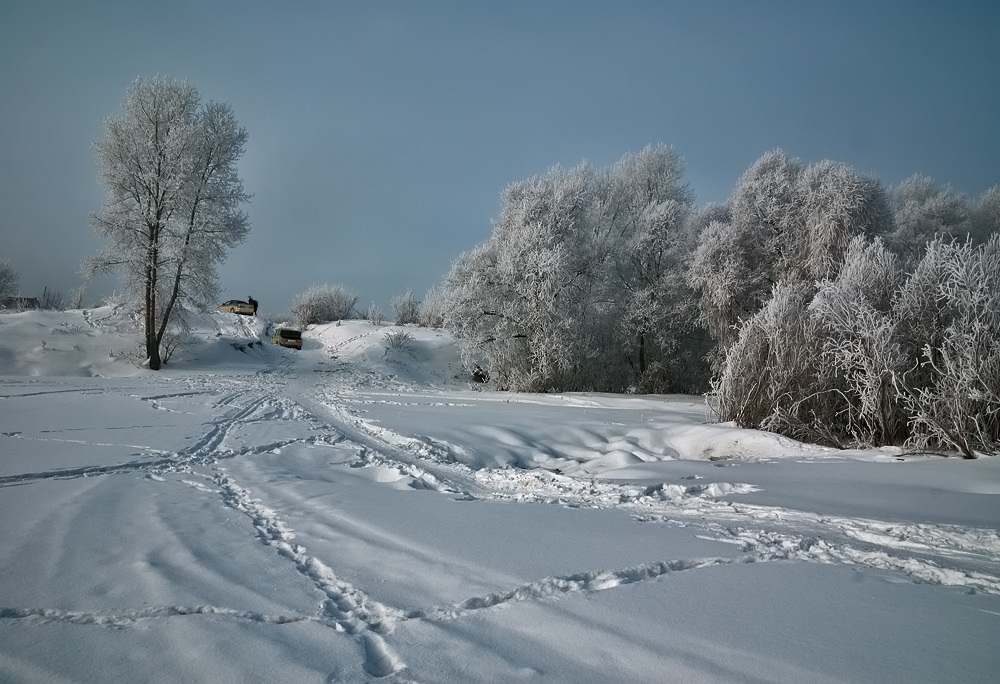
350	513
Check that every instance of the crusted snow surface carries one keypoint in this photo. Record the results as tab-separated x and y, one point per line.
352	513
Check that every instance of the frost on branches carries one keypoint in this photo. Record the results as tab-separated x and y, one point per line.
828	307
581	285
172	205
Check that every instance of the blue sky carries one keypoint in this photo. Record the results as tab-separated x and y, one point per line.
382	133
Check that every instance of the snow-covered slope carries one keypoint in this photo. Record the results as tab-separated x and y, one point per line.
353	513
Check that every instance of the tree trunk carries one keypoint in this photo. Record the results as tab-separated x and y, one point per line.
152	342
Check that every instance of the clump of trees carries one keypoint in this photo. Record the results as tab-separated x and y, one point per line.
871	321
815	302
172	205
581	286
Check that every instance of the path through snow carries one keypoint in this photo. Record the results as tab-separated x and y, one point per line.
390	521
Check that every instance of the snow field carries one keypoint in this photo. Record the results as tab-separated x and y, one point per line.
346	515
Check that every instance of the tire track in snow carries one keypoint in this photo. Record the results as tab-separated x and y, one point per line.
202	452
345	608
427	463
551	587
348	610
124	618
86	471
949	555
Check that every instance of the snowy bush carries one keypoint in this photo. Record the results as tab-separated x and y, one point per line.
76	297
374	314
51	300
953	393
875	357
985	215
406	308
322	304
398	340
432	309
771	367
862	352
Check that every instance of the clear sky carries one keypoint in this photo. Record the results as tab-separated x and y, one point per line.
382	133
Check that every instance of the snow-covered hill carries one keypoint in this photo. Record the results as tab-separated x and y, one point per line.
355	512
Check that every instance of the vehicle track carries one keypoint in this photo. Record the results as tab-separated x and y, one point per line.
947	555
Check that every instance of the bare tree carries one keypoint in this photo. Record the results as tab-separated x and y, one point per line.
171	211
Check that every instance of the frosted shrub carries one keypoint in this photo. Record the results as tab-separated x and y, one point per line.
771	368
986	215
398	340
406	308
953	394
875	357
432	309
862	353
52	300
374	314
322	304
76	298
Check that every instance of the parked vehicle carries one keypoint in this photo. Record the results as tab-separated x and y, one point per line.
288	337
238	306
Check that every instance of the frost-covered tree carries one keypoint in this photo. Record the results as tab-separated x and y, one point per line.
581	284
924	210
9	278
986	215
644	216
738	262
520	301
173	197
837	204
787	222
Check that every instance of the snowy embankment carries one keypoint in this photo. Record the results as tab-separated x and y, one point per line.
354	513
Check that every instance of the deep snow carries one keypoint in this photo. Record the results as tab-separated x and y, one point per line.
350	513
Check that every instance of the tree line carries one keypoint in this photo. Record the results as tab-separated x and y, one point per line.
815	301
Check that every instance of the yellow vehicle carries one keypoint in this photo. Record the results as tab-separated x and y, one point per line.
238	306
288	337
